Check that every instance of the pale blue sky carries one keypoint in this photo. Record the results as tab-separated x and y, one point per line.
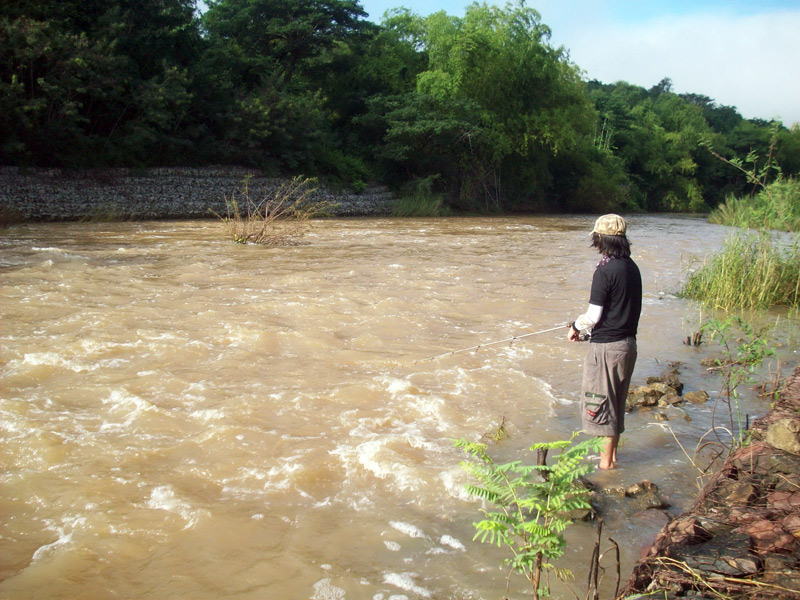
740	53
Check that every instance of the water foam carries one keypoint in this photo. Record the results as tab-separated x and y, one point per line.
452	542
408	529
53	359
64	538
325	590
405	581
393	546
130	405
164	498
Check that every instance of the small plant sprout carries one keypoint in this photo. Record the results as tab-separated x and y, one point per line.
743	354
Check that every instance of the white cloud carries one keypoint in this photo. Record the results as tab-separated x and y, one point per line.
751	62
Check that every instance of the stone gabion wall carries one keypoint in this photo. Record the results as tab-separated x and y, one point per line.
163	193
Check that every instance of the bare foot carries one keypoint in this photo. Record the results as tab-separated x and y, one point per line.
607	467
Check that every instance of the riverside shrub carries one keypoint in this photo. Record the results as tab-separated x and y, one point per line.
753	270
532	505
777	206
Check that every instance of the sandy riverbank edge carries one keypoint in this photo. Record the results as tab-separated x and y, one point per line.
741	537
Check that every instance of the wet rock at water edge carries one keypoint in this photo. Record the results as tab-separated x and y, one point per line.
662	390
670	399
615	490
642	396
643	487
700	397
645	496
713	361
669	378
595	501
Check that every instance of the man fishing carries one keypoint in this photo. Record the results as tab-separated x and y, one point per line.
612	320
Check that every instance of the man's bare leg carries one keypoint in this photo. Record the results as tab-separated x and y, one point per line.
608	454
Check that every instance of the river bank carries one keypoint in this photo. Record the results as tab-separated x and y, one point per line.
741	538
162	193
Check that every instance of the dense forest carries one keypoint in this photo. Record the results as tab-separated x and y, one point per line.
482	109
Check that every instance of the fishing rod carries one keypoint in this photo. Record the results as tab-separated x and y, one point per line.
510	341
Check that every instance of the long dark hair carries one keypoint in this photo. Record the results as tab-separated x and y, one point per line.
617	246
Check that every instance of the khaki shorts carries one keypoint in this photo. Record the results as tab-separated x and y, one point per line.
606	380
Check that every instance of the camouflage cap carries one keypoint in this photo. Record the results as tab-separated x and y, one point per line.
610	225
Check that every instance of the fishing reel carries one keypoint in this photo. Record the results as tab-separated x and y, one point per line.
582	337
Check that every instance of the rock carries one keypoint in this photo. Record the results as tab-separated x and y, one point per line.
739	493
643	487
669	378
659	416
595	501
714	526
784	434
642	396
784	500
174	192
783	464
651	501
752	459
670	400
645	494
712	361
687	531
792	525
700	397
615	490
781	571
769	536
788	482
727	554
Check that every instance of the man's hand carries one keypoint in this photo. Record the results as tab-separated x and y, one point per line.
574	335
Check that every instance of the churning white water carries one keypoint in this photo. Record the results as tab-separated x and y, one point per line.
183	417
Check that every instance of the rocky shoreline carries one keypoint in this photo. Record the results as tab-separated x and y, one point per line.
159	193
741	538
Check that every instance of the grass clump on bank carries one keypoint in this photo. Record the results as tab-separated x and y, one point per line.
753	270
776	206
419	200
280	219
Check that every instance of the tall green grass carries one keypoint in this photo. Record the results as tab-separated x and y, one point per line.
776	206
419	200
420	206
753	270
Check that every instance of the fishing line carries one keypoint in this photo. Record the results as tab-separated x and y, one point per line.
510	341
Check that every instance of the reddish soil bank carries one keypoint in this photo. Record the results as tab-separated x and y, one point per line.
741	538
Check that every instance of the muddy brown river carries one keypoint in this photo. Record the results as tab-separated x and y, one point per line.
184	417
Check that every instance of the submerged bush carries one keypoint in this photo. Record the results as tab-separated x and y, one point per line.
276	220
753	270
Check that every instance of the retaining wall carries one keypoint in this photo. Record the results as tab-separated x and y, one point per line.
162	193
